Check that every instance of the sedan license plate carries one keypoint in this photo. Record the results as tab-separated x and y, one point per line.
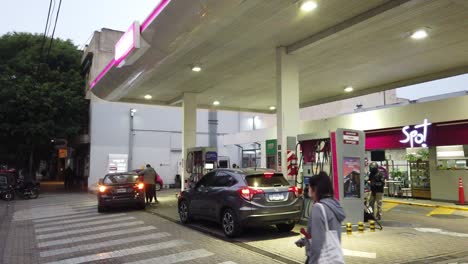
121	190
276	197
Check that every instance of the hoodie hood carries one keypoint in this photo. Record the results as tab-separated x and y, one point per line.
335	207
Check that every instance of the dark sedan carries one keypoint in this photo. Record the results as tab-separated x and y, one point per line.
121	189
238	198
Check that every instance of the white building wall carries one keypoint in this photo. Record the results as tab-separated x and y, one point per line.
347	106
157	136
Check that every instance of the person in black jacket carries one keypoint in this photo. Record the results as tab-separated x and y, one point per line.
377	183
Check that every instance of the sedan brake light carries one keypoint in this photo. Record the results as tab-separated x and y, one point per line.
294	189
140	186
248	193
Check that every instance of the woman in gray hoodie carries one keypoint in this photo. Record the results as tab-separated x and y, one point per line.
321	191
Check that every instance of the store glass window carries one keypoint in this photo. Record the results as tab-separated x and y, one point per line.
452	157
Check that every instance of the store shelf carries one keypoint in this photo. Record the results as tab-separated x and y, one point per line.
420	179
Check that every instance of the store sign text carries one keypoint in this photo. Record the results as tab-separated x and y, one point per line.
415	137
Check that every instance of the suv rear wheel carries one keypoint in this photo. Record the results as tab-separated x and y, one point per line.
230	223
285	227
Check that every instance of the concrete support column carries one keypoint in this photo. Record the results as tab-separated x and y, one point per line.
287	105
189	129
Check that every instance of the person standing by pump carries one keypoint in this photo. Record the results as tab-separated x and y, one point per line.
324	223
149	179
68	178
155	181
377	183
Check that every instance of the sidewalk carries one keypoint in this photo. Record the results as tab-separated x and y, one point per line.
425	203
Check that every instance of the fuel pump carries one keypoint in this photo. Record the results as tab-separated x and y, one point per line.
314	158
199	161
342	154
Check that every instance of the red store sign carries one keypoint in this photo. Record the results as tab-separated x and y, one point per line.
436	134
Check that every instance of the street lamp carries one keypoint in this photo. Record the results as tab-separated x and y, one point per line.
130	141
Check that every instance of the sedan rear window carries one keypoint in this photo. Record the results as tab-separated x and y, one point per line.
121	179
261	180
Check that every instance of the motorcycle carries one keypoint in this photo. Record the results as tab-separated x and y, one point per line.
28	190
7	192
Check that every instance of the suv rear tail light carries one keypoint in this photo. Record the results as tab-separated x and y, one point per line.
248	193
294	189
102	188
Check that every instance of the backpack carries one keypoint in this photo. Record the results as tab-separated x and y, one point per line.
379	180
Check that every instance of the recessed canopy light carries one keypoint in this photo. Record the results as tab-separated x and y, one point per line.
308	6
148	97
272	108
216	103
419	34
348	89
196	68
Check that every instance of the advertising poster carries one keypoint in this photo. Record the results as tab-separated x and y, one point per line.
117	163
352	177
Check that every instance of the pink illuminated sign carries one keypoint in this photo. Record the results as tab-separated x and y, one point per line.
128	42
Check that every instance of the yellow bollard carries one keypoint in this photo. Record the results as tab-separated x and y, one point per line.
361	227
349	229
372	225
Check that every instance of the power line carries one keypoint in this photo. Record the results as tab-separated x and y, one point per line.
53	32
50	24
45	30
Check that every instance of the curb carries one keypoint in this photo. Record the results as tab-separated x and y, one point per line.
427	205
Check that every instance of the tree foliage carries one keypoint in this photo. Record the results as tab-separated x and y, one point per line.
41	97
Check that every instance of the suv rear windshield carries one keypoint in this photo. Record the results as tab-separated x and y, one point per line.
120	179
261	180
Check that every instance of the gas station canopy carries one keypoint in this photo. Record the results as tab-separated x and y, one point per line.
364	44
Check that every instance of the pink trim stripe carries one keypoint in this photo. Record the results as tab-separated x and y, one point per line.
154	14
99	77
336	185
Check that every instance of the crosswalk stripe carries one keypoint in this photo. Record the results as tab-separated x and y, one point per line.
362	254
65	217
89	223
72	221
37	216
175	258
228	262
88	230
82	205
98	245
122	253
84	208
73	239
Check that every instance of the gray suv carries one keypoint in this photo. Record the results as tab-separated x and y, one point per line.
238	198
